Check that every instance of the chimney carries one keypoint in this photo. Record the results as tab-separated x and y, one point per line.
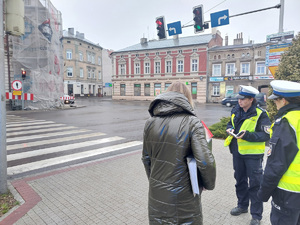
71	31
143	40
226	40
238	40
79	35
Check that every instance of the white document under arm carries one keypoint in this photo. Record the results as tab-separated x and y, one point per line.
193	174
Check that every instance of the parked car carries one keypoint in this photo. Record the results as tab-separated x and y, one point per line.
69	99
231	100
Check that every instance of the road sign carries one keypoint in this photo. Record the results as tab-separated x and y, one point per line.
219	18
17	85
280	36
174	28
273	53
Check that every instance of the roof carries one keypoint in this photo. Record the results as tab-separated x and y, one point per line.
249	45
66	34
169	43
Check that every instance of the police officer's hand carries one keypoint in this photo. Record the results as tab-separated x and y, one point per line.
230	130
242	133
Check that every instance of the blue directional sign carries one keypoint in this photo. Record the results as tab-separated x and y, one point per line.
174	28
219	18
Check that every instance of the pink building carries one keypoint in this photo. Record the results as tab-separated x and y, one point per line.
144	70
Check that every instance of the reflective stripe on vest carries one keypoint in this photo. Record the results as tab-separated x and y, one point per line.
290	181
246	147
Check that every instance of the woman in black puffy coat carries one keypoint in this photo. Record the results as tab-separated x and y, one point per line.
172	133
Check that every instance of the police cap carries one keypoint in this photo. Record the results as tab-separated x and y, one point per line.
247	91
284	88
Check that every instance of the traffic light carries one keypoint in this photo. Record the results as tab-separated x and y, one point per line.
160	26
23	74
198	18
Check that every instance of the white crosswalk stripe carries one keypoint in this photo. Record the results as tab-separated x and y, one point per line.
32	127
38	144
38	131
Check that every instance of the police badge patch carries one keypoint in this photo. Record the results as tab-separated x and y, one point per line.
267	129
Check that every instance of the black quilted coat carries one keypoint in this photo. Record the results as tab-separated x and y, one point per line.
172	133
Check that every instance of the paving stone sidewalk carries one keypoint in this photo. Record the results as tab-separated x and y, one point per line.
114	191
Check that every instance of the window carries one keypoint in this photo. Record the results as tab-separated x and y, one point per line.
122	69
157	89
230	67
147	90
179	51
216	70
99	60
89	57
219	56
259	53
167	85
147	67
168	66
232	56
69	54
216	90
122	89
137	89
169	52
81	72
157	67
93	74
180	66
99	75
215	57
228	56
194	50
245	68
137	55
137	68
156	53
80	56
82	89
70	71
93	59
89	73
194	65
260	68
147	54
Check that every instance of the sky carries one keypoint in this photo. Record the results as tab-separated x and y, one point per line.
116	24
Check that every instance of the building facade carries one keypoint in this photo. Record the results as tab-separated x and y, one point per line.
145	70
234	65
82	65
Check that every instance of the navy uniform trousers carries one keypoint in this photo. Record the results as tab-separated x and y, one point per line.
248	169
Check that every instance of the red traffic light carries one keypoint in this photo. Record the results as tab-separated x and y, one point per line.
159	22
23	74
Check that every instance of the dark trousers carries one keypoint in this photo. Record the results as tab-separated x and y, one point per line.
284	216
248	175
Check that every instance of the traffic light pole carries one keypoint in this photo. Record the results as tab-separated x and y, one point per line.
3	160
241	14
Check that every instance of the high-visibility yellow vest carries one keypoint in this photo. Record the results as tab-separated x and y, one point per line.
246	147
290	181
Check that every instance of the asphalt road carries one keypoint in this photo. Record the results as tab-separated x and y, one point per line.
115	117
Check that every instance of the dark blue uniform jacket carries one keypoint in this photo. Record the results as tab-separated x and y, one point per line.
283	149
258	136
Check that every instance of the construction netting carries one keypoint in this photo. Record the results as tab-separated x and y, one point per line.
39	53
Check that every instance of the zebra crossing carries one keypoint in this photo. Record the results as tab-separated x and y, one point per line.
34	146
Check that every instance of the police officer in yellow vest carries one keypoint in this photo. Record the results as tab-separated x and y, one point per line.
281	178
248	151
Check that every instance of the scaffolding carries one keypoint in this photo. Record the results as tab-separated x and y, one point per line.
39	52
